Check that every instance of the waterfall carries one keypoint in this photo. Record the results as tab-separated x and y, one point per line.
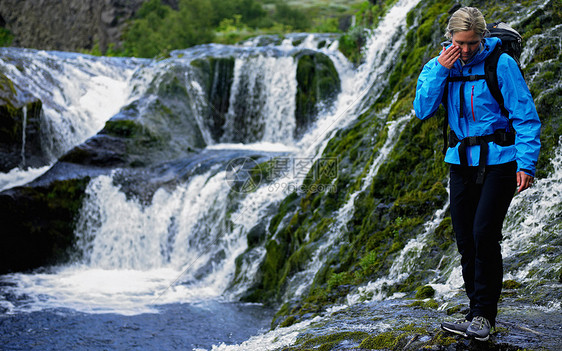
533	223
78	92
262	101
183	245
195	228
24	130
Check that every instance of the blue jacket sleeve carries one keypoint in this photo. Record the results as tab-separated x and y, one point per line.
522	113
429	90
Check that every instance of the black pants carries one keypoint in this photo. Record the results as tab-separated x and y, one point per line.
477	213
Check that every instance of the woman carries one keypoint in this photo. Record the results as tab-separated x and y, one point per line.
484	170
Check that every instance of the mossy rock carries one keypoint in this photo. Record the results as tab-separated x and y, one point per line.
38	224
425	292
318	83
386	340
217	75
511	284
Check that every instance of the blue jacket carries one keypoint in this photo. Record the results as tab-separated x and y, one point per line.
481	112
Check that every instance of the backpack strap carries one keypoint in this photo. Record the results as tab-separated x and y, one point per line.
500	137
491	76
462	79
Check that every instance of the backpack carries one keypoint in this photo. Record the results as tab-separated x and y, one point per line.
511	45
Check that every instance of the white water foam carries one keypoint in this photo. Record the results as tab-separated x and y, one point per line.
79	93
533	221
17	176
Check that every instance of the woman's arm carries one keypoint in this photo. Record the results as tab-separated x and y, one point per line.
431	83
523	115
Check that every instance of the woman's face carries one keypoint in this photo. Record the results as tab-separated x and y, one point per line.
468	42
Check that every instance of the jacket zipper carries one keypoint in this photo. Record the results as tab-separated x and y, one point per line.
472	104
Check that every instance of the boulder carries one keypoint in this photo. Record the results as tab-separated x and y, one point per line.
20	128
318	83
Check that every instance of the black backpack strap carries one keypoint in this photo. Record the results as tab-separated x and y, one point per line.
491	73
463	79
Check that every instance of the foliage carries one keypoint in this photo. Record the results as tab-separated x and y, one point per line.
158	29
409	187
6	37
352	43
291	17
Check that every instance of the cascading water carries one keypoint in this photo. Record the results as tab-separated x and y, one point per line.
24	129
262	104
79	93
187	235
302	280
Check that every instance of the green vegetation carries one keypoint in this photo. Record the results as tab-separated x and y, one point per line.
6	37
157	28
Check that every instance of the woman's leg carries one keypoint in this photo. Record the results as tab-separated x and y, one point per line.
464	200
495	197
477	213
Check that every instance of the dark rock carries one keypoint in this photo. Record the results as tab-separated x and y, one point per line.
318	83
38	224
20	128
217	74
100	150
68	25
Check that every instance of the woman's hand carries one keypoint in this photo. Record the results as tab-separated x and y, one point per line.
523	181
449	56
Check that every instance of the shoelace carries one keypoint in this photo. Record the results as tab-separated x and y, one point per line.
481	322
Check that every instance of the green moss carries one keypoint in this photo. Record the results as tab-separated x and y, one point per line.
123	128
352	43
218	75
382	341
10	124
454	309
425	292
6	37
405	193
511	284
429	304
442	339
444	234
288	322
326	342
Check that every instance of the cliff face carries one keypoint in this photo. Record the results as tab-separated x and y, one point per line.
67	25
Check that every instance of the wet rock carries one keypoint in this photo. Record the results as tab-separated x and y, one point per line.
38	224
20	128
318	83
217	75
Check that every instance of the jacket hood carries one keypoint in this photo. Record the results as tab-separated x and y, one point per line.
488	45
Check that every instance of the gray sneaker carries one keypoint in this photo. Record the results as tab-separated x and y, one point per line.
458	327
479	329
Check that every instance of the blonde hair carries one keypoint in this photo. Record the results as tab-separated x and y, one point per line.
465	19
